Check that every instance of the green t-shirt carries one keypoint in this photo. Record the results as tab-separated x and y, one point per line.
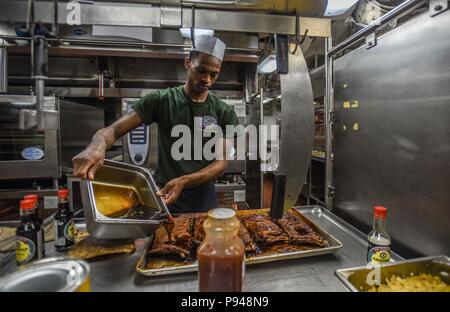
171	107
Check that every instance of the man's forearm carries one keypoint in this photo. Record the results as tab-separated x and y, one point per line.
103	138
205	175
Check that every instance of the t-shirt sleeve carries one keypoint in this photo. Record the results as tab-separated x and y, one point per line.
147	107
230	119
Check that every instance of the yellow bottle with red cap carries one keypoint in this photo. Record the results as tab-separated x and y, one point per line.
63	222
37	218
379	249
28	238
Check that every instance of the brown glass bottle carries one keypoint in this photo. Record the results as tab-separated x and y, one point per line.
63	222
28	238
221	254
38	220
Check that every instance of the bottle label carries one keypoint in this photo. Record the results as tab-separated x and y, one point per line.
378	254
25	250
60	240
64	233
69	230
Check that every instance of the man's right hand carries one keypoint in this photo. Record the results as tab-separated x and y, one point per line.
86	164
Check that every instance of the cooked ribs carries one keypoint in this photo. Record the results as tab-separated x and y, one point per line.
199	233
263	230
180	241
182	232
250	246
299	232
258	232
169	249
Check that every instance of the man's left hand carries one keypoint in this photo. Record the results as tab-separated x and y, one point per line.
172	190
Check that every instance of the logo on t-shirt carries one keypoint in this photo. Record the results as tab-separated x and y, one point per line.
209	123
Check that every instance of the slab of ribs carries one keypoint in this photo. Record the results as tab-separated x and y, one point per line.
257	231
299	232
180	243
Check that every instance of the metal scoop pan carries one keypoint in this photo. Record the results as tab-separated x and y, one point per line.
121	202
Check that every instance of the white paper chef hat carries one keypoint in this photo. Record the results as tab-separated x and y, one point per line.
210	45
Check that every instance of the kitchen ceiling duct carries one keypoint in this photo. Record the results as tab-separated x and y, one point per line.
315	8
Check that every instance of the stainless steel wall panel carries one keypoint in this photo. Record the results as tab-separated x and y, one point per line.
392	135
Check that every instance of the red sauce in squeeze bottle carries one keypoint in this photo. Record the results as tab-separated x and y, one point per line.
221	255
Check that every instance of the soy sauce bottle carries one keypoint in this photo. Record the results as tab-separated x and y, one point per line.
221	255
28	238
379	249
38	219
63	222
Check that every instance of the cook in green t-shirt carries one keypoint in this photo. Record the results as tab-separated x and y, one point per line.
171	107
186	180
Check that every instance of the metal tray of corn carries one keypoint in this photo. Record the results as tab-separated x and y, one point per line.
421	274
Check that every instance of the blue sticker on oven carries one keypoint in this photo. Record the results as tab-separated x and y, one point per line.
32	153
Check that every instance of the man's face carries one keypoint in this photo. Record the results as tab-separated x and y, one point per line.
202	72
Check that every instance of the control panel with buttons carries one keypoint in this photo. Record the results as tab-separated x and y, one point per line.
138	140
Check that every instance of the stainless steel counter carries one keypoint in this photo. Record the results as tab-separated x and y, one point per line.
117	273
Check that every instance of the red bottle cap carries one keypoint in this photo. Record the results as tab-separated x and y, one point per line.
32	197
380	212
27	204
63	193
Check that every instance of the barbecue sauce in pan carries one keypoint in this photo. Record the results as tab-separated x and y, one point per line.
168	224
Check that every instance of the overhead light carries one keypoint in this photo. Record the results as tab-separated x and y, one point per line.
268	65
339	7
186	32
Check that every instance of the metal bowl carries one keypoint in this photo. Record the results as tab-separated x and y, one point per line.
121	175
363	278
49	275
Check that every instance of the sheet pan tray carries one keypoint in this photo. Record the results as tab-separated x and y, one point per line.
176	268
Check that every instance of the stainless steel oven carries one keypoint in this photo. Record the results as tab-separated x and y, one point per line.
26	154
